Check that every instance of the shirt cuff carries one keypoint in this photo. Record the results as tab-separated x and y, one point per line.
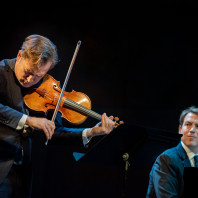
84	137
21	122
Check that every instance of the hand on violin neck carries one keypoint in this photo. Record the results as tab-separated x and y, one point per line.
43	124
104	127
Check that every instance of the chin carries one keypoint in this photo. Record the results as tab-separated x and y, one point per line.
192	144
26	85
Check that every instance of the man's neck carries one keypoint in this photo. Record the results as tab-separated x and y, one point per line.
191	148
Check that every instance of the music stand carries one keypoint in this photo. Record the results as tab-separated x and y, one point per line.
110	148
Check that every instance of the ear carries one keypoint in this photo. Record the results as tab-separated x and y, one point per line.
19	55
180	127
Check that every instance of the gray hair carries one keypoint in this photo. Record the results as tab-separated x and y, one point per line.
40	50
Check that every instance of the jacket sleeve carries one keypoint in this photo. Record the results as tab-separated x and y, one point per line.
9	116
163	178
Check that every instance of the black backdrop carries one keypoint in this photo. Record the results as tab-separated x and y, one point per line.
137	60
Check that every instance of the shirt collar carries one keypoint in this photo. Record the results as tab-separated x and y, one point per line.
188	151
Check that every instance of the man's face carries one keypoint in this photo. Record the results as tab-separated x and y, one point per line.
189	129
26	74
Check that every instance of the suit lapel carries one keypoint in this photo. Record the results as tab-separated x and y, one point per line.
183	155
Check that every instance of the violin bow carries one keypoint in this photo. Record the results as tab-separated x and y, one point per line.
65	83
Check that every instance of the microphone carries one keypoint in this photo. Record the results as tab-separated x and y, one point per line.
125	156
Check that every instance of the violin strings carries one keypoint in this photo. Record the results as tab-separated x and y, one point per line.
75	105
82	109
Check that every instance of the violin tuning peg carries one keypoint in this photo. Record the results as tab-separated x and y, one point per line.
116	118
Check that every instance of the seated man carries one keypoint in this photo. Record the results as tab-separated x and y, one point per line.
166	176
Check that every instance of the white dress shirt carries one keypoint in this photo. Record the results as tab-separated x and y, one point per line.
190	154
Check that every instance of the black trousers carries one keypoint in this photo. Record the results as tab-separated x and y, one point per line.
18	183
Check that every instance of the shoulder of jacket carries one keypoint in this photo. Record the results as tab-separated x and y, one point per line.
7	64
4	66
170	153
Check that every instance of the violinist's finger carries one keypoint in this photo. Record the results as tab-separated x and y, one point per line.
50	132
52	126
103	119
111	117
106	122
49	129
46	133
111	122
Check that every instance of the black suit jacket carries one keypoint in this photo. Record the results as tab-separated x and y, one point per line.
12	109
166	176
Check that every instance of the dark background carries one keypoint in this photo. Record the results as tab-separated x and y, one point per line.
137	61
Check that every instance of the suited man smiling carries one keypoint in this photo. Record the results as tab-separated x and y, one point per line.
166	176
37	56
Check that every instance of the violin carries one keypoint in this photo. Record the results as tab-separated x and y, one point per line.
75	107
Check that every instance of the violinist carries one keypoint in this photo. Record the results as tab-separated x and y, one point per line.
36	57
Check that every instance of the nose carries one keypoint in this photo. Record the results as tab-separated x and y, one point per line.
30	78
193	129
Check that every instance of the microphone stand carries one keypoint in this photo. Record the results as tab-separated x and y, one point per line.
125	158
